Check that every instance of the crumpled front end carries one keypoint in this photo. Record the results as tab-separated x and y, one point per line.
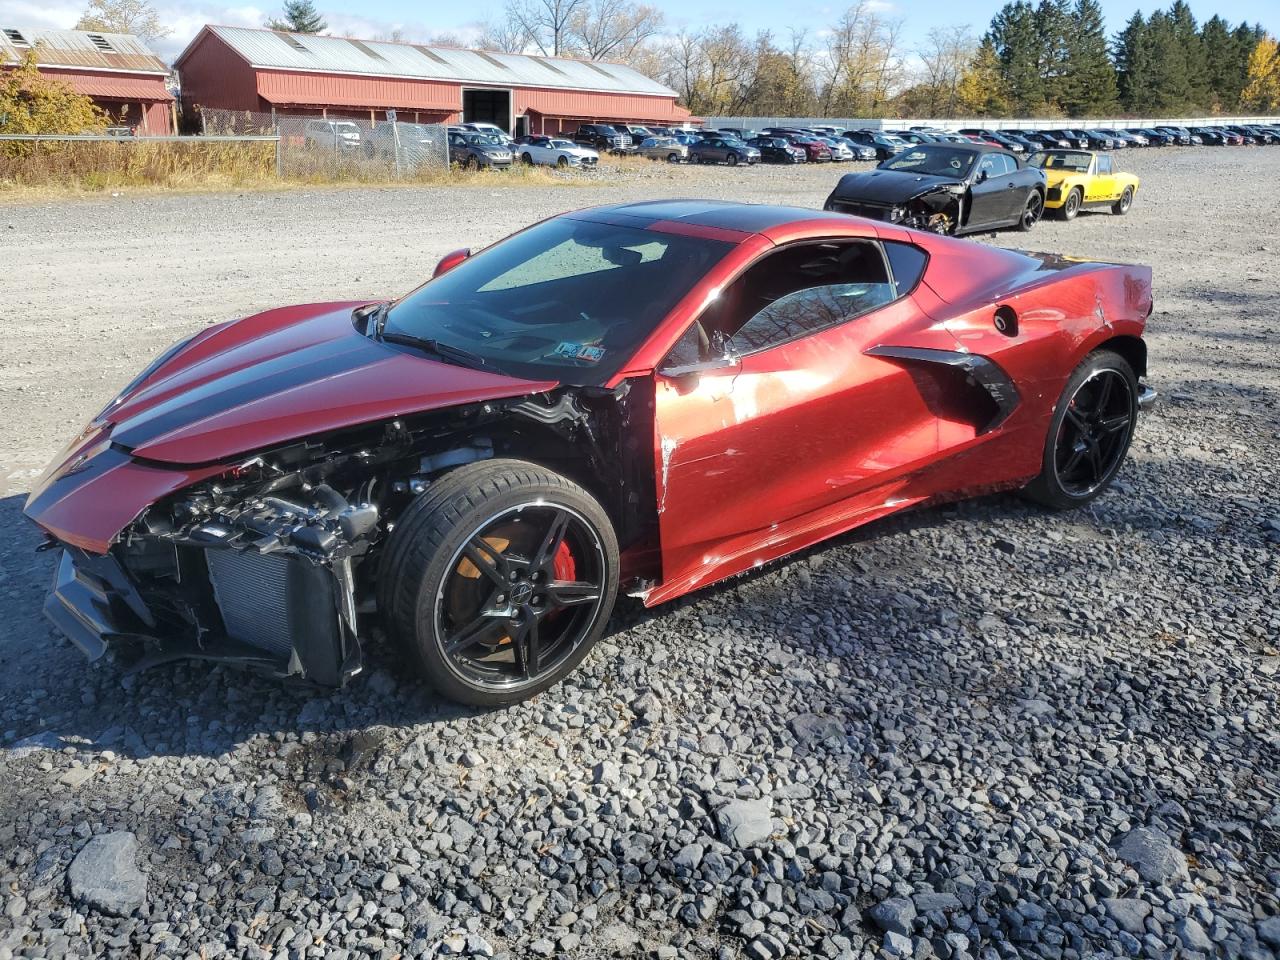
255	566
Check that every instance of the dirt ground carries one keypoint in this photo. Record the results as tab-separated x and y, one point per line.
1004	643
92	288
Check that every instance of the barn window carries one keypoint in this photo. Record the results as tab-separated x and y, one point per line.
99	41
292	41
550	66
430	54
16	38
366	49
493	60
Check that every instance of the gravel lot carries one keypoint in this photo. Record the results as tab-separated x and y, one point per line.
979	731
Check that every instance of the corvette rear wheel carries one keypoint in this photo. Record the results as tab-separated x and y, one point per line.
1072	205
1121	206
499	579
1089	434
1032	211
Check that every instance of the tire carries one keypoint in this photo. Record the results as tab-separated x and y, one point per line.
731	159
673	158
527	159
562	162
1032	212
1071	207
1089	433
459	556
472	163
1121	206
695	158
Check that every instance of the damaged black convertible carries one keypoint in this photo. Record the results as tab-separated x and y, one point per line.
946	188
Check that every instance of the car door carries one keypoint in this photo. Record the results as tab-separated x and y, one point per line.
989	195
1102	185
806	427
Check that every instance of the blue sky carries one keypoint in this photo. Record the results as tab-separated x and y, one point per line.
366	18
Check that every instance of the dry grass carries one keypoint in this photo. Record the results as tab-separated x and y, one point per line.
40	170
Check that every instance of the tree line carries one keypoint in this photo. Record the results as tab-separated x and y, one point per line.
1049	58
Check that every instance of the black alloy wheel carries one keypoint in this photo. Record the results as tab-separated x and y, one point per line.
1032	211
500	578
1090	432
731	159
521	594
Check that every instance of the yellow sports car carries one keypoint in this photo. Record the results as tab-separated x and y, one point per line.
1078	179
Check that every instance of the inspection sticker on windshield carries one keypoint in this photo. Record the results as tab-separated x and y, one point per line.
580	351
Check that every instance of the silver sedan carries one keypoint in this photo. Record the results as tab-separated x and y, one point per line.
554	152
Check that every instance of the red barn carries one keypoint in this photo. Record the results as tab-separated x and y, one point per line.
115	70
300	74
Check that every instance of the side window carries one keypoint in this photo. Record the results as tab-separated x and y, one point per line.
907	263
987	165
1104	166
795	292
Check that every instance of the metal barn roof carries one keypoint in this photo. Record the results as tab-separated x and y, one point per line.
273	50
79	50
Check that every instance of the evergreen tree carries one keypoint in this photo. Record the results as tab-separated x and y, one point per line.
1053	27
1194	64
300	16
1089	81
1221	53
1132	53
1170	90
1015	39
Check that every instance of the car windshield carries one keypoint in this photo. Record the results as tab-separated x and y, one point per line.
566	300
1061	160
937	161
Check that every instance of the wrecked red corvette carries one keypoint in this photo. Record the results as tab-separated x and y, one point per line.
648	397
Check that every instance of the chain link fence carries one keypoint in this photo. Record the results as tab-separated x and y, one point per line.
341	148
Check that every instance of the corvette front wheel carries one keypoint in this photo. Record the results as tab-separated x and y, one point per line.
1089	433
499	580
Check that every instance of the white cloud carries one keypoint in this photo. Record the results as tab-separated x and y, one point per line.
47	16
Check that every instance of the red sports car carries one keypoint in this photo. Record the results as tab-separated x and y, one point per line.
648	397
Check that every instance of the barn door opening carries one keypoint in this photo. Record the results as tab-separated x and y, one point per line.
487	106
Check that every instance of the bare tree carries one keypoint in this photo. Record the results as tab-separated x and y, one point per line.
945	55
601	29
546	23
503	36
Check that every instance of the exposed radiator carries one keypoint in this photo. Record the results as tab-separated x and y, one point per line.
252	591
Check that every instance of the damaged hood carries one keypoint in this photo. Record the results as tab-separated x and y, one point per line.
889	186
280	376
